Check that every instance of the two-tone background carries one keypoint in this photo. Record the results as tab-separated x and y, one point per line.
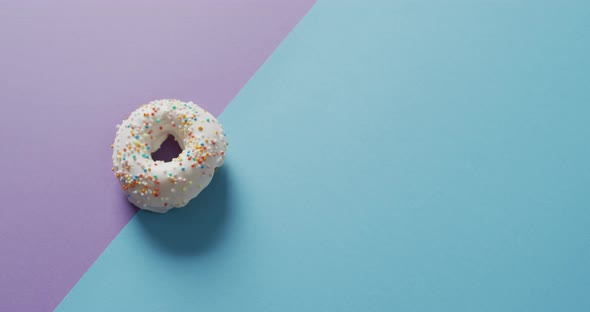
384	156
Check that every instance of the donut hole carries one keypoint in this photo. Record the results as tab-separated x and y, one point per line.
169	150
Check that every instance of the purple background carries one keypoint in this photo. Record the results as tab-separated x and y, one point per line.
69	72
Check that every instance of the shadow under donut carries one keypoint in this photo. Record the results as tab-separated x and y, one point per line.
198	226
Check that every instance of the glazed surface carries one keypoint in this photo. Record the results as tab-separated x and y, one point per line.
156	185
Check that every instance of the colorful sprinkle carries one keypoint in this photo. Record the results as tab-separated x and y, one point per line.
137	134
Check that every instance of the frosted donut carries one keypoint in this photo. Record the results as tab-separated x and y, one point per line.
157	185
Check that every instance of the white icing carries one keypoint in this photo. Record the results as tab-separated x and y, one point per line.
156	185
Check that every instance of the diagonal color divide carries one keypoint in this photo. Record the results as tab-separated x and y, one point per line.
398	156
69	73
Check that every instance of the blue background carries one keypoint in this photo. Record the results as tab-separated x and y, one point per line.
413	156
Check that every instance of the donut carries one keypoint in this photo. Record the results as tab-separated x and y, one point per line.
156	185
